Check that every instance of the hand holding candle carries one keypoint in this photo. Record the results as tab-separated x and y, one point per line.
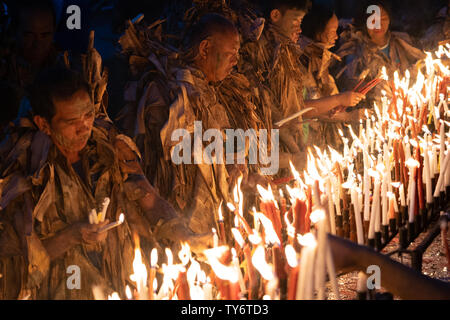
113	224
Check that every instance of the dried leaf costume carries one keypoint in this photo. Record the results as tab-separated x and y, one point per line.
272	64
319	83
41	195
437	32
167	97
361	55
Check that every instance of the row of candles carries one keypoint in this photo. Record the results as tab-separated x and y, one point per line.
386	179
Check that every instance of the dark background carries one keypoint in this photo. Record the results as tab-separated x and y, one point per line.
108	17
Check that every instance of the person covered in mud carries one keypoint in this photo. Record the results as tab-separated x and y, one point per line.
27	48
274	59
366	50
57	169
184	93
438	31
319	35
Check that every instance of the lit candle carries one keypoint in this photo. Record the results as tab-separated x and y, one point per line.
359	227
102	214
305	279
292	260
112	224
412	165
427	175
331	205
215	237
402	195
318	217
373	215
153	262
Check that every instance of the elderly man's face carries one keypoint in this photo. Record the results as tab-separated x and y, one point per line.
289	22
222	55
71	126
35	35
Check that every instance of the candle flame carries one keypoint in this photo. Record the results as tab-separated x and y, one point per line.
220	212
271	236
114	296
266	194
289	226
238	237
317	215
222	271
254	238
184	254
140	271
307	240
260	263
154	258
412	163
128	293
291	256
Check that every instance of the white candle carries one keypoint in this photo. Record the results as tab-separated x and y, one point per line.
373	215
442	147
366	187
359	227
112	224
442	177
207	289
305	283
215	238
384	200
427	176
102	214
412	165
331	206
402	195
434	161
238	270
337	198
448	171
331	271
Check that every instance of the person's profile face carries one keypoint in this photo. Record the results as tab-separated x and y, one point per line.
71	126
329	35
35	35
290	23
223	55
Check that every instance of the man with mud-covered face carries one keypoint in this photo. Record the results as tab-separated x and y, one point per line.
82	162
217	53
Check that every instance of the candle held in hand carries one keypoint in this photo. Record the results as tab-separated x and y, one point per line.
112	224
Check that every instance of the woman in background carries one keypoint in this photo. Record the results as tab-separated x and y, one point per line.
319	35
365	51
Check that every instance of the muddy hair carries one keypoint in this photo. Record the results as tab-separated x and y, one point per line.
208	25
20	6
284	5
362	16
316	20
57	82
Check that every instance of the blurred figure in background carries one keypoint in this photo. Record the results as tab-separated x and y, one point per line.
365	50
319	35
